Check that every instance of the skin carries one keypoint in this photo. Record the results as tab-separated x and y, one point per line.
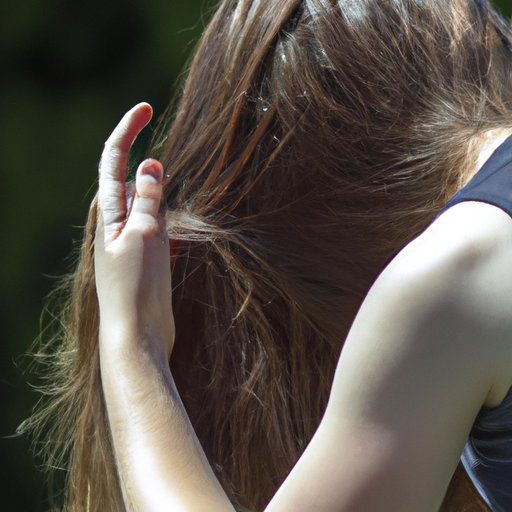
429	346
160	461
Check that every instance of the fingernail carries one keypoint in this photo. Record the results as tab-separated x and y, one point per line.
148	107
153	169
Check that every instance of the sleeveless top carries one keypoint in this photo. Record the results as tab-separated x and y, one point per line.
487	454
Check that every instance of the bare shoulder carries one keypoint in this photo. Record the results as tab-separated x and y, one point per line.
467	236
460	269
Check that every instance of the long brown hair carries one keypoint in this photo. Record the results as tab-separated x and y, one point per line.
312	141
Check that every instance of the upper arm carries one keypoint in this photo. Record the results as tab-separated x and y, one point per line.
407	389
417	365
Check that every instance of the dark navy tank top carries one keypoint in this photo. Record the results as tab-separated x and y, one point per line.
487	454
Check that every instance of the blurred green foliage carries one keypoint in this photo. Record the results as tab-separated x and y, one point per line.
69	71
505	6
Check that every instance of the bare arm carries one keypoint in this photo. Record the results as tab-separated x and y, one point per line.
411	378
160	461
419	362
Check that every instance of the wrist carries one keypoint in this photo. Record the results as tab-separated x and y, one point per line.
129	340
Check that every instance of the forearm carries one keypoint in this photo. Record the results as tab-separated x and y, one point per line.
160	461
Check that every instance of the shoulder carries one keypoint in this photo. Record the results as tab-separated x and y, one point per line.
465	256
457	276
464	238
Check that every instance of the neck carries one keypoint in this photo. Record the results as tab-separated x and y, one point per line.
490	142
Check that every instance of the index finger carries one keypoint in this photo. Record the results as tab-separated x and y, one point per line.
114	164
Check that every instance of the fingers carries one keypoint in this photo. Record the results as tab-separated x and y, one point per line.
113	168
148	193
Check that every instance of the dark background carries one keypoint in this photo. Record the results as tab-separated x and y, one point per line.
69	70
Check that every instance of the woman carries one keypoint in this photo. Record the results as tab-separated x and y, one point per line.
313	146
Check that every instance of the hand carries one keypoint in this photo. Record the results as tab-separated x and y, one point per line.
132	261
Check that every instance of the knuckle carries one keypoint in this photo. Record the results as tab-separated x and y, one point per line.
111	195
148	187
107	145
144	224
114	142
146	205
111	152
